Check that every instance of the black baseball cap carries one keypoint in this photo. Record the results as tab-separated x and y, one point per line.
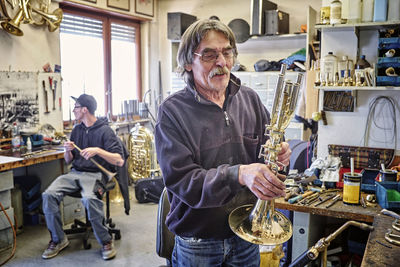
87	101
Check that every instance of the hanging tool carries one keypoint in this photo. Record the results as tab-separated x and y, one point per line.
46	101
53	89
334	200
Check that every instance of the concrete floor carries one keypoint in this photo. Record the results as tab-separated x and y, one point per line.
135	248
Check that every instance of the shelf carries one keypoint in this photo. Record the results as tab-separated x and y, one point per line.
354	88
260	43
361	25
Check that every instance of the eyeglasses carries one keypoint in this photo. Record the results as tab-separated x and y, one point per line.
75	107
210	55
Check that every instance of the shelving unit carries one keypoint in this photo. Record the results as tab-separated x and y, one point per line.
361	25
356	88
256	43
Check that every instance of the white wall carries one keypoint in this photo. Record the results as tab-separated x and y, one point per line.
227	10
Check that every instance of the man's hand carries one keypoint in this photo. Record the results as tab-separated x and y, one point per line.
69	146
284	154
89	152
262	181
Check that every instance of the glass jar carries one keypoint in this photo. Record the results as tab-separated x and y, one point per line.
336	12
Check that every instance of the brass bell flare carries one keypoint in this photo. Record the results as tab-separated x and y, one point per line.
12	26
269	228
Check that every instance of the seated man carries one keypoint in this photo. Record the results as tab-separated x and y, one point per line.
98	141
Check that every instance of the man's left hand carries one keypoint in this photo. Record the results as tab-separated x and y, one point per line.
89	152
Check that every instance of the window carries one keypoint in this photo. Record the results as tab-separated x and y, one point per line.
100	55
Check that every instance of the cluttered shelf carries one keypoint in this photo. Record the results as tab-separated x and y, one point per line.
354	88
362	25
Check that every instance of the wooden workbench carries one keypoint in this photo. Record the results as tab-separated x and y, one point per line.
52	153
338	210
377	254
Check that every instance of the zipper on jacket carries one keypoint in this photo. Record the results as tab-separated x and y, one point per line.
227	121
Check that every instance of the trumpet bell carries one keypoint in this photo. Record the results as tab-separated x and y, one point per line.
274	229
12	26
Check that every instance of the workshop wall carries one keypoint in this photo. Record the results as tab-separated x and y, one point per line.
227	10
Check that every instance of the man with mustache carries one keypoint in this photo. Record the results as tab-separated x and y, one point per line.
208	137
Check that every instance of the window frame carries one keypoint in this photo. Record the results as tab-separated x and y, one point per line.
108	17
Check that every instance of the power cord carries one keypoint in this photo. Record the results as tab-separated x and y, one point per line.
14	236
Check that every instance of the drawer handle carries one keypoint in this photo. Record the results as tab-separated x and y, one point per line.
77	210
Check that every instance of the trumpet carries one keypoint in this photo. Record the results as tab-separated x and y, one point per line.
262	224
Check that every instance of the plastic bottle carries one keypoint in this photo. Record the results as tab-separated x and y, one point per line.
362	63
345	10
367	11
28	144
328	68
336	12
343	65
359	73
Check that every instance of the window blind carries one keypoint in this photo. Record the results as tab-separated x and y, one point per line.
75	24
122	33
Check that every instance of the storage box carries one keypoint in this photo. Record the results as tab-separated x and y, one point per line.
388	195
276	22
368	180
178	22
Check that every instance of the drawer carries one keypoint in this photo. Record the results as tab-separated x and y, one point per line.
4	223
6	180
5	198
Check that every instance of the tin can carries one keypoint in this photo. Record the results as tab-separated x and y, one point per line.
351	188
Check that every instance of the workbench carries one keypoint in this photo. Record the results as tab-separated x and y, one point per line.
338	210
14	160
380	252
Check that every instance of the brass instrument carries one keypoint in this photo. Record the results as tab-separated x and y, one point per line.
109	174
142	160
262	224
28	13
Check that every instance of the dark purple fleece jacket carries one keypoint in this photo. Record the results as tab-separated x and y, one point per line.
200	148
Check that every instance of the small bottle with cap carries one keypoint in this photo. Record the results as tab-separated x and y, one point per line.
29	144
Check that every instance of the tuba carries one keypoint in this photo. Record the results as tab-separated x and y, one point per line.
142	160
262	224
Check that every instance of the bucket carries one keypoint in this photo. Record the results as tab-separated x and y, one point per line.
351	188
387	175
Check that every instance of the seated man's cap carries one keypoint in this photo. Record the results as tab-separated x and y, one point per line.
87	101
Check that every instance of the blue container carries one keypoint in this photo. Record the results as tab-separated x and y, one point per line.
380	10
385	196
368	180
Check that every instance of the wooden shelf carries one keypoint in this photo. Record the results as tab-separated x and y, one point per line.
361	25
354	88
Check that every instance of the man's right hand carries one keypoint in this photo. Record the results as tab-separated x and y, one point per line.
261	181
69	146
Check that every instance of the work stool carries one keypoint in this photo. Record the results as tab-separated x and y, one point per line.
85	228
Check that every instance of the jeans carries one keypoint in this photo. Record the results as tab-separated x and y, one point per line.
71	182
196	252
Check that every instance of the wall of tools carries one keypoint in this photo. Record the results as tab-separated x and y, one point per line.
31	99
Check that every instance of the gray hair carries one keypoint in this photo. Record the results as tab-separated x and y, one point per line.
192	38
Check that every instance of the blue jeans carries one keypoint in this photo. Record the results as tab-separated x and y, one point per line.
196	252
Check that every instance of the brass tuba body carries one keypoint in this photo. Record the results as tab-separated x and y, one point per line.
142	160
262	224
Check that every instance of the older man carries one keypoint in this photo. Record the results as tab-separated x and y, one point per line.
208	137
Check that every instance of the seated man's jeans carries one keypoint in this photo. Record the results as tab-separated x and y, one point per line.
195	252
